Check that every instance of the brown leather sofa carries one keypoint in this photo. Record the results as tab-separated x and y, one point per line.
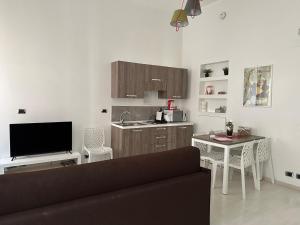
167	188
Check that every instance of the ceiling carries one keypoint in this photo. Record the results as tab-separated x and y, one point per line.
207	2
166	5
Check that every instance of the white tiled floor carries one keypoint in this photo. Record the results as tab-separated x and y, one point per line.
273	205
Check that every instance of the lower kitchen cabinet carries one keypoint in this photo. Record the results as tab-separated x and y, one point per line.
135	142
131	142
159	136
181	136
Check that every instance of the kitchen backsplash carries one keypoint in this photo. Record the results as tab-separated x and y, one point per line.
137	113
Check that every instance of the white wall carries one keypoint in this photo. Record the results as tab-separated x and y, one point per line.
257	32
55	61
55	57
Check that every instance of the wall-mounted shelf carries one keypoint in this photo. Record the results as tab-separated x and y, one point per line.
212	114
211	79
213	96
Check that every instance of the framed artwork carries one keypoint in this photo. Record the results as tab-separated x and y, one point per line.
258	86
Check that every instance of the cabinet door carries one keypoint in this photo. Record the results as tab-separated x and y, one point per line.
184	136
177	84
136	142
140	141
128	80
172	138
156	78
126	148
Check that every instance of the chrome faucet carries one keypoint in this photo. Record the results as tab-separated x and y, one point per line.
122	117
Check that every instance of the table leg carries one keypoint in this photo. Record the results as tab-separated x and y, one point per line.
79	160
254	176
1	171
193	142
226	170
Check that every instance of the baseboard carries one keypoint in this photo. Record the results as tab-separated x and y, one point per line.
280	183
283	184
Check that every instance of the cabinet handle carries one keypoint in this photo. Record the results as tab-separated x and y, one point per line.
137	130
154	79
182	127
160	146
162	137
177	96
131	96
163	128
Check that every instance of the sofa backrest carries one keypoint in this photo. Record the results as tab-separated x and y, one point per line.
20	192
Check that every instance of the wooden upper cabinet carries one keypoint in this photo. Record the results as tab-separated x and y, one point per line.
177	84
156	78
131	80
127	80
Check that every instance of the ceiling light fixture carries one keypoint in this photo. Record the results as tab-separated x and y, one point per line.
193	8
179	18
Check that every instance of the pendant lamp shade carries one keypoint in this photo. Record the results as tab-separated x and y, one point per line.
179	19
193	8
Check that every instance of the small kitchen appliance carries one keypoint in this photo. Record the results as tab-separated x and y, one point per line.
173	115
159	118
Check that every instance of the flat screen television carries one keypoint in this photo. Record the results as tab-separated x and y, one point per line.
40	138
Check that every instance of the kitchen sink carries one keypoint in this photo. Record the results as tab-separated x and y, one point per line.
131	124
134	124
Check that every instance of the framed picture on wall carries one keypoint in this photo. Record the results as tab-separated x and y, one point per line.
258	86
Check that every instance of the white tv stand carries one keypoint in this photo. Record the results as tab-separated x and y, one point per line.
31	160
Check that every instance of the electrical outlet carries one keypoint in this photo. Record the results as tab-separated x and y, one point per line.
289	174
298	176
22	111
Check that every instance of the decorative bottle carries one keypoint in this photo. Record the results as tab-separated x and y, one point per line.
229	128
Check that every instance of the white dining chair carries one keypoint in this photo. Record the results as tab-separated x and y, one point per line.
245	160
263	155
212	157
93	145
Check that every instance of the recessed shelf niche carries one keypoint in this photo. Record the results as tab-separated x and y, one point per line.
213	89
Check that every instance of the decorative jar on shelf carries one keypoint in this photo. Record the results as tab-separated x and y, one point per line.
209	90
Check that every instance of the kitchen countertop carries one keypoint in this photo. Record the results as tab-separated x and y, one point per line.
149	125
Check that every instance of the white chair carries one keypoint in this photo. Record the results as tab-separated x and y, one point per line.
263	154
93	145
241	163
211	156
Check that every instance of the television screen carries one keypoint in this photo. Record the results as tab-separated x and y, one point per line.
39	138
